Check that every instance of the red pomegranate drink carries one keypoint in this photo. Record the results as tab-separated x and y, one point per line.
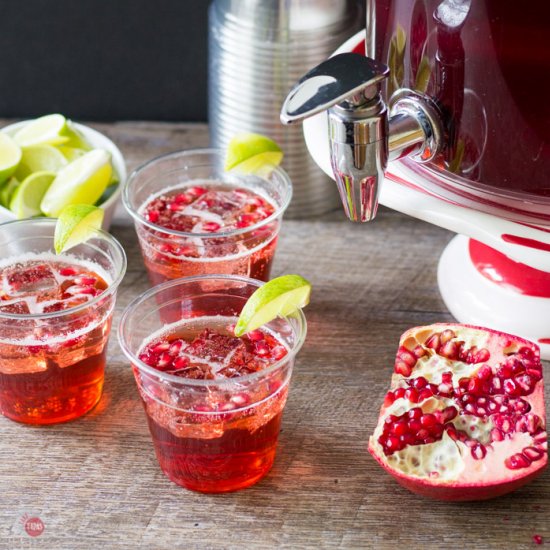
213	402
192	218
55	319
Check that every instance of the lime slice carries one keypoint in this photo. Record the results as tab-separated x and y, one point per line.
40	158
75	139
76	224
252	154
279	297
10	155
71	153
48	129
81	182
27	197
6	191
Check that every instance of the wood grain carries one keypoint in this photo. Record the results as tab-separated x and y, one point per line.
95	482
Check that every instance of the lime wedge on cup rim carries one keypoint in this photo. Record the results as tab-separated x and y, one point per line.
277	298
10	156
75	225
252	154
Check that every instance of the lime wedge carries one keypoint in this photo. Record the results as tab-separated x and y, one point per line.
10	155
6	191
75	225
81	182
48	129
75	139
26	199
279	297
40	158
252	154
71	153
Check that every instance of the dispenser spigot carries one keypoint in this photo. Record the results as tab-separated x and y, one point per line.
362	135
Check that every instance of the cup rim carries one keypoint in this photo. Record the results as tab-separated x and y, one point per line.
187	234
111	289
135	360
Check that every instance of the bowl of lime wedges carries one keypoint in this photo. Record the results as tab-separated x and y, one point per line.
51	162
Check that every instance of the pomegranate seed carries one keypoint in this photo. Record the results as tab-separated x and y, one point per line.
447	378
412	395
181	363
240	399
496	435
175	347
537	539
533	422
525	382
426	393
415	413
246	220
433	342
176	207
480	411
153	216
164	360
485	372
535	374
428	420
399	392
196	191
452	432
392	443
532	453
400	428
419	383
389	399
423	433
402	368
414	426
497	384
445	389
419	352
447	335
278	352
449	350
210	227
256	201
511	388
504	372
406	356
482	355
517	461
475	385
262	348
161	347
449	413
182	198
478	451
67	271
256	335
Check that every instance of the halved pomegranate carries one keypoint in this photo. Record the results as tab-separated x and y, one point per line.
464	418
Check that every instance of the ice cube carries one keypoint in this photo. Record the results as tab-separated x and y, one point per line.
30	279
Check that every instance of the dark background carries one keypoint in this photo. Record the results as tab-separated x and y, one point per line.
104	59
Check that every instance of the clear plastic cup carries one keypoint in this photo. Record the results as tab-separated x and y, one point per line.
210	435
169	254
52	362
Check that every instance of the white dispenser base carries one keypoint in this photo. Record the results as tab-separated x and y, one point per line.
473	299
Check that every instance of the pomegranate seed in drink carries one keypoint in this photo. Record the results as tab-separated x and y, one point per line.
214	441
51	370
213	211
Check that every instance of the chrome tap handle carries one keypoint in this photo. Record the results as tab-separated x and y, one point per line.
349	80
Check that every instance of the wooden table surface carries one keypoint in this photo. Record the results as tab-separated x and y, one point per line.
95	482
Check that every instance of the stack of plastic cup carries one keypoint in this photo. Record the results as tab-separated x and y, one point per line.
258	50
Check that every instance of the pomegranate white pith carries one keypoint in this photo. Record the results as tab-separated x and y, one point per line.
464	418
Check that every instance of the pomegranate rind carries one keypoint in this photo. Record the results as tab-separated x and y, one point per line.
466	478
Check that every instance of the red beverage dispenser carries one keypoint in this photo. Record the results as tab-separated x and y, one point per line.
439	110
